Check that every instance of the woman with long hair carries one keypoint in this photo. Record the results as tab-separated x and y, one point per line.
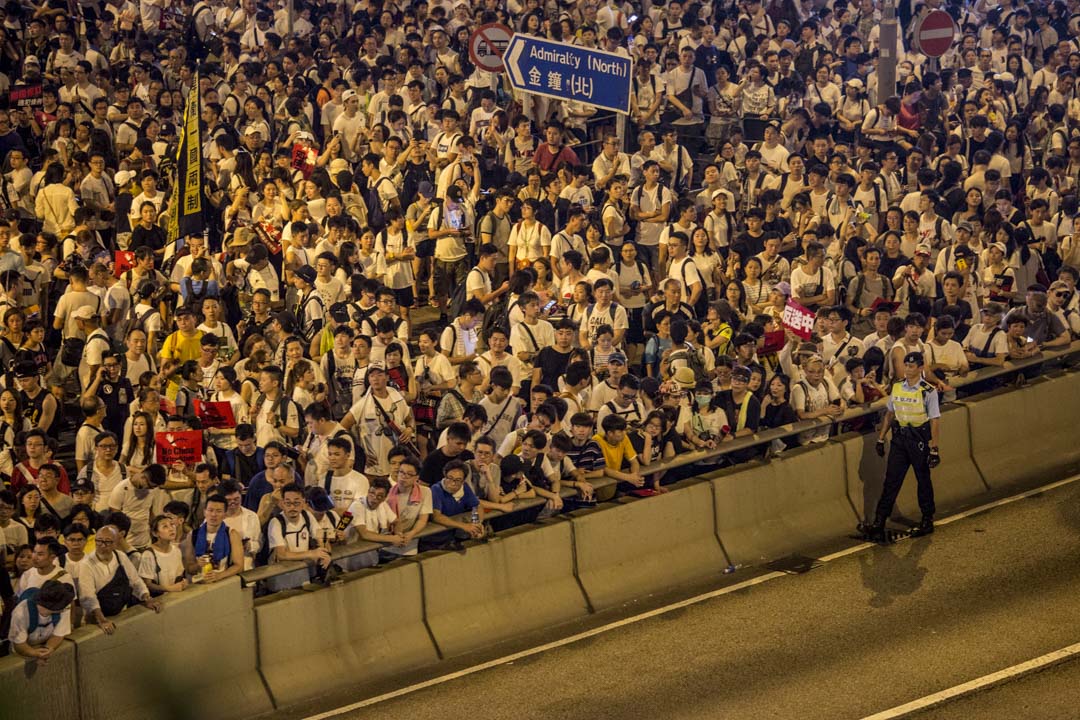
139	446
735	294
543	286
12	421
755	289
708	261
529	238
580	300
225	387
397	372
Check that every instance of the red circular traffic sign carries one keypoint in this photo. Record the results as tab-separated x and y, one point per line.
487	45
936	33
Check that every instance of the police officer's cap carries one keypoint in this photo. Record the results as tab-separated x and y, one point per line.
915	357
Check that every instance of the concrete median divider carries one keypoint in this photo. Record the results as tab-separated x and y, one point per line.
1019	437
199	653
520	582
369	627
637	547
49	691
790	504
957	482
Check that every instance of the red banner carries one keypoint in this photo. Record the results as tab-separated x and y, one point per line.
184	446
215	414
798	319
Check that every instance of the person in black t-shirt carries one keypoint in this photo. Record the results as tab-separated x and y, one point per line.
457	438
551	361
115	391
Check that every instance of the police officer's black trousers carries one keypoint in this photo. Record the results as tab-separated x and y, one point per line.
910	448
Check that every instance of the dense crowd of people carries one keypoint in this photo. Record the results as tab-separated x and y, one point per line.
418	297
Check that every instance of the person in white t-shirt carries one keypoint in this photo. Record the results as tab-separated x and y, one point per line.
344	484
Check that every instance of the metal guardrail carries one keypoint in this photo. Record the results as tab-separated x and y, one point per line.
989	372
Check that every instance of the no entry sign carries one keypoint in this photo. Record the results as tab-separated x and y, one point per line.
487	45
936	33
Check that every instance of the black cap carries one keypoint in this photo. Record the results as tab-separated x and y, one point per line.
318	499
914	357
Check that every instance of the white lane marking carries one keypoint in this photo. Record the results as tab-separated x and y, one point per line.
983	683
650	614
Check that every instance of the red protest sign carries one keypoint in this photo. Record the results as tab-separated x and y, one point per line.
303	159
123	261
798	319
215	414
184	446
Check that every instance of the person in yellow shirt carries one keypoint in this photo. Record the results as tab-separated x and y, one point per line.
617	450
186	343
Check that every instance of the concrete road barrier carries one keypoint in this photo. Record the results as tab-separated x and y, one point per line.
642	546
520	582
1024	436
198	653
790	504
49	691
369	627
957	482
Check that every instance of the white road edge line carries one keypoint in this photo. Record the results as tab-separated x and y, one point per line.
983	683
660	611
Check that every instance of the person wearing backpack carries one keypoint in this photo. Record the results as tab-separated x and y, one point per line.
96	347
291	533
604	311
275	416
686	354
109	582
310	313
41	620
450	227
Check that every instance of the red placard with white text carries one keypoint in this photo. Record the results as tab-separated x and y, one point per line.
798	319
215	414
184	446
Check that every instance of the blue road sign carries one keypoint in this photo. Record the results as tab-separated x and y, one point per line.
569	72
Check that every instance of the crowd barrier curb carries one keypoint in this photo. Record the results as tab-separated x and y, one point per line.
225	655
29	690
1047	411
782	506
520	582
620	555
957	481
199	651
369	627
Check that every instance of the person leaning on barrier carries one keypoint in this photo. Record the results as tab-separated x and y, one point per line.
913	417
41	620
108	582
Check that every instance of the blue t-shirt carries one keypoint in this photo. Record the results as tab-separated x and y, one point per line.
445	503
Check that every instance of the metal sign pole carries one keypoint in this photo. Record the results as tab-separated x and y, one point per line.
887	49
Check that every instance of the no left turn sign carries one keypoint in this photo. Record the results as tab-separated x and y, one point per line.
487	45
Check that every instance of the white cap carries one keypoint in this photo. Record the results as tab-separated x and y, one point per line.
123	177
84	313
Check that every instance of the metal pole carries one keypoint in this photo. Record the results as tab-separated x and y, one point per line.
288	16
887	47
620	130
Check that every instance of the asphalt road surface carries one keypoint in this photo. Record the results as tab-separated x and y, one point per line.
852	637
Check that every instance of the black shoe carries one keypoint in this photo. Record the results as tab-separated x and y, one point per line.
925	527
874	532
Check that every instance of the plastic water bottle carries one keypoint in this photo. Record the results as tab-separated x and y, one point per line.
474	517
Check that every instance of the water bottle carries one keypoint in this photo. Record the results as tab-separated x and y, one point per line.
474	516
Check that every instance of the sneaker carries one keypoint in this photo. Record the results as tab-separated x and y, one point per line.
926	527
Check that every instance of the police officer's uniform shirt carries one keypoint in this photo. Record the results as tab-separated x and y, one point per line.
914	405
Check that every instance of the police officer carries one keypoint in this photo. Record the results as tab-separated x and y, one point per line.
913	416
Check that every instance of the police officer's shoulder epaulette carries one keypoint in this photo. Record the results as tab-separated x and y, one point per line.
926	386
